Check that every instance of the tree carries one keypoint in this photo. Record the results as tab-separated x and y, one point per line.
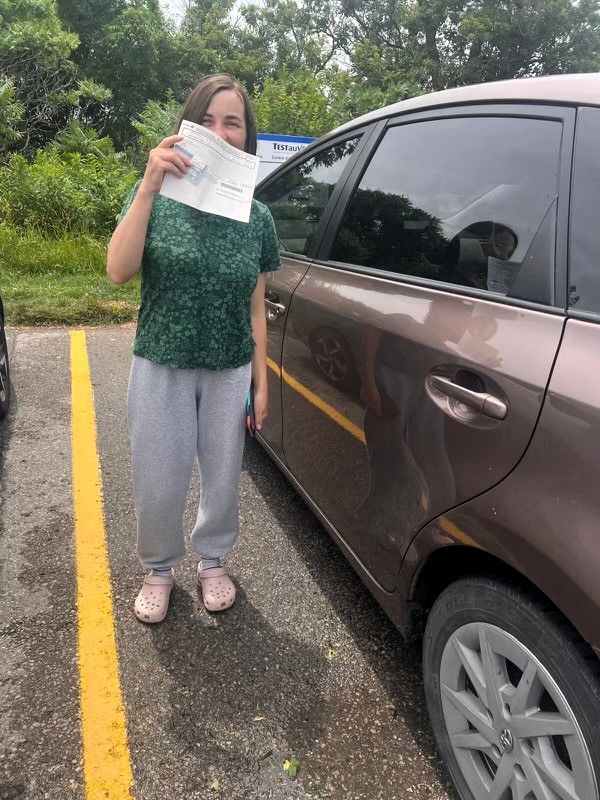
130	47
436	44
11	113
511	39
293	104
156	121
86	18
35	56
214	37
350	96
293	35
134	56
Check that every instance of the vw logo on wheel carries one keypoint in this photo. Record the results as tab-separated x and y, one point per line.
506	740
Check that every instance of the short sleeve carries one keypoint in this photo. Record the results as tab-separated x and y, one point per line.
269	257
129	201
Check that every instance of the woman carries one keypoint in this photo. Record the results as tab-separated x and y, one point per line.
201	337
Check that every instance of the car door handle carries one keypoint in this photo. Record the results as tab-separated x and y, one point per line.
274	309
482	402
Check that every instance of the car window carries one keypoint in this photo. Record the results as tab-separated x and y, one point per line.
298	198
457	200
584	275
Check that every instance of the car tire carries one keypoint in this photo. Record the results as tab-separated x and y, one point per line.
4	374
513	694
333	357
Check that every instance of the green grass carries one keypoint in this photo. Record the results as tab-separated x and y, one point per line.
60	281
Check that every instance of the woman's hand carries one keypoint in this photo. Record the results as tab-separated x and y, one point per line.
370	396
126	247
259	359
162	159
261	406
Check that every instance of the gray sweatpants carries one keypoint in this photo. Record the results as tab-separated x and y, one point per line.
174	415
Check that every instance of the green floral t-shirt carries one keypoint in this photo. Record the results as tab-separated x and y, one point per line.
198	274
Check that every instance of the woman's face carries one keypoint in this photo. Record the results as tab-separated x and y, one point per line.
225	117
503	245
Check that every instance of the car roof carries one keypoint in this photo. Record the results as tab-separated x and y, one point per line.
580	89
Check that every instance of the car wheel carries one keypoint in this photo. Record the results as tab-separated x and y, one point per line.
4	375
333	357
513	695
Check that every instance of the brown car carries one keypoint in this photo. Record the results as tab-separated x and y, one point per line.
434	391
4	369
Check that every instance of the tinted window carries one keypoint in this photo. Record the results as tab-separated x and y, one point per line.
584	283
457	200
298	198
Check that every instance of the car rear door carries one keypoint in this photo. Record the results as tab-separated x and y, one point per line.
436	281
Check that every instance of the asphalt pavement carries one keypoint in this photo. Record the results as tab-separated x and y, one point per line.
304	671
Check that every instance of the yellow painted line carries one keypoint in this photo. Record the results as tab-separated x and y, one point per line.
274	367
316	401
107	767
331	412
456	532
358	433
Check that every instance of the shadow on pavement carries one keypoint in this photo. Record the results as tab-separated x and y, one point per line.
395	664
229	698
6	429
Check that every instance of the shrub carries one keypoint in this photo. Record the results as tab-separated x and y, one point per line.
64	191
157	120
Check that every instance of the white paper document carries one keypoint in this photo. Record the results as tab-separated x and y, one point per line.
501	274
221	179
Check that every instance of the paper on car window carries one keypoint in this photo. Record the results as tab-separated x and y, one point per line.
221	179
501	274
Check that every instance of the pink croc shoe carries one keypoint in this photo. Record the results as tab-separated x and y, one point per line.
152	603
218	591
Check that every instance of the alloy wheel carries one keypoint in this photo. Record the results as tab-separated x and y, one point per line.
513	732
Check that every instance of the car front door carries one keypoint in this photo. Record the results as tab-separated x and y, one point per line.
300	198
434	289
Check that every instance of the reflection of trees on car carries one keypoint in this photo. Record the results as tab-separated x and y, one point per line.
297	213
299	197
282	192
332	155
387	231
299	206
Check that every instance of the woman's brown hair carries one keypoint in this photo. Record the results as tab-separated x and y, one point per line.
198	101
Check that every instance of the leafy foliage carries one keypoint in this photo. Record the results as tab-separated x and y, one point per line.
309	63
79	139
290	765
156	121
65	190
293	104
11	113
351	96
135	58
73	71
87	18
34	55
437	44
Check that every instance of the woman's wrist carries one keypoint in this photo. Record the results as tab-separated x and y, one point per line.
146	190
259	381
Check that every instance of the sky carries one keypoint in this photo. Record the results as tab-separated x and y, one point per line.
173	8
